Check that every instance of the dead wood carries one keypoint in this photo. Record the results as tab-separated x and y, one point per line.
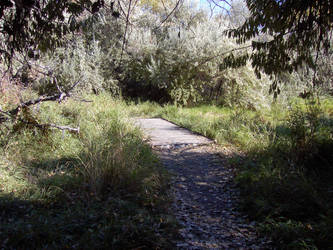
62	95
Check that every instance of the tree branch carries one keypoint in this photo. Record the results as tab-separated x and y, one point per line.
222	54
55	126
126	27
37	125
173	10
58	97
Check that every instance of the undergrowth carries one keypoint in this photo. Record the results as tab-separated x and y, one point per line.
286	177
99	189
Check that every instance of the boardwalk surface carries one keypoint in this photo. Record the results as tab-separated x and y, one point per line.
205	197
164	133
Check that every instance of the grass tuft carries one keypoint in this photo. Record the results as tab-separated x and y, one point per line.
100	189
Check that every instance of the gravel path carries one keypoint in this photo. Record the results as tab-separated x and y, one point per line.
205	197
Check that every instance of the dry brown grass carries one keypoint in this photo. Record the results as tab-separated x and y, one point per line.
10	91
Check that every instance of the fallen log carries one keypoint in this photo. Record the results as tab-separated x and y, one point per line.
57	97
62	95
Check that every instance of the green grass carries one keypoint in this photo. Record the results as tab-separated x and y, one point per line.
225	125
287	177
99	189
103	188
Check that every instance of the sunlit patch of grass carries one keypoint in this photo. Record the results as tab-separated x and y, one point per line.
11	178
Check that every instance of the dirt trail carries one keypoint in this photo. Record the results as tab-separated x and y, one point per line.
205	197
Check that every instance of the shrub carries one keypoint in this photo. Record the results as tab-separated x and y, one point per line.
76	62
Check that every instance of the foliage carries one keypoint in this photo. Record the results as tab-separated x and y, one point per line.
47	44
157	6
75	62
184	60
179	62
27	25
296	31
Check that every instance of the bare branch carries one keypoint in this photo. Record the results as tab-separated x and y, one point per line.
37	125
5	113
173	10
51	125
82	100
222	54
126	27
58	97
218	4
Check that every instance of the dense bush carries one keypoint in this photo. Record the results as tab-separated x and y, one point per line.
78	61
182	60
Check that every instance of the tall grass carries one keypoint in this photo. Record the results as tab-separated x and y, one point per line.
101	188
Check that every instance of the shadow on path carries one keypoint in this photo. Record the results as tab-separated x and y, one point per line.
206	201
